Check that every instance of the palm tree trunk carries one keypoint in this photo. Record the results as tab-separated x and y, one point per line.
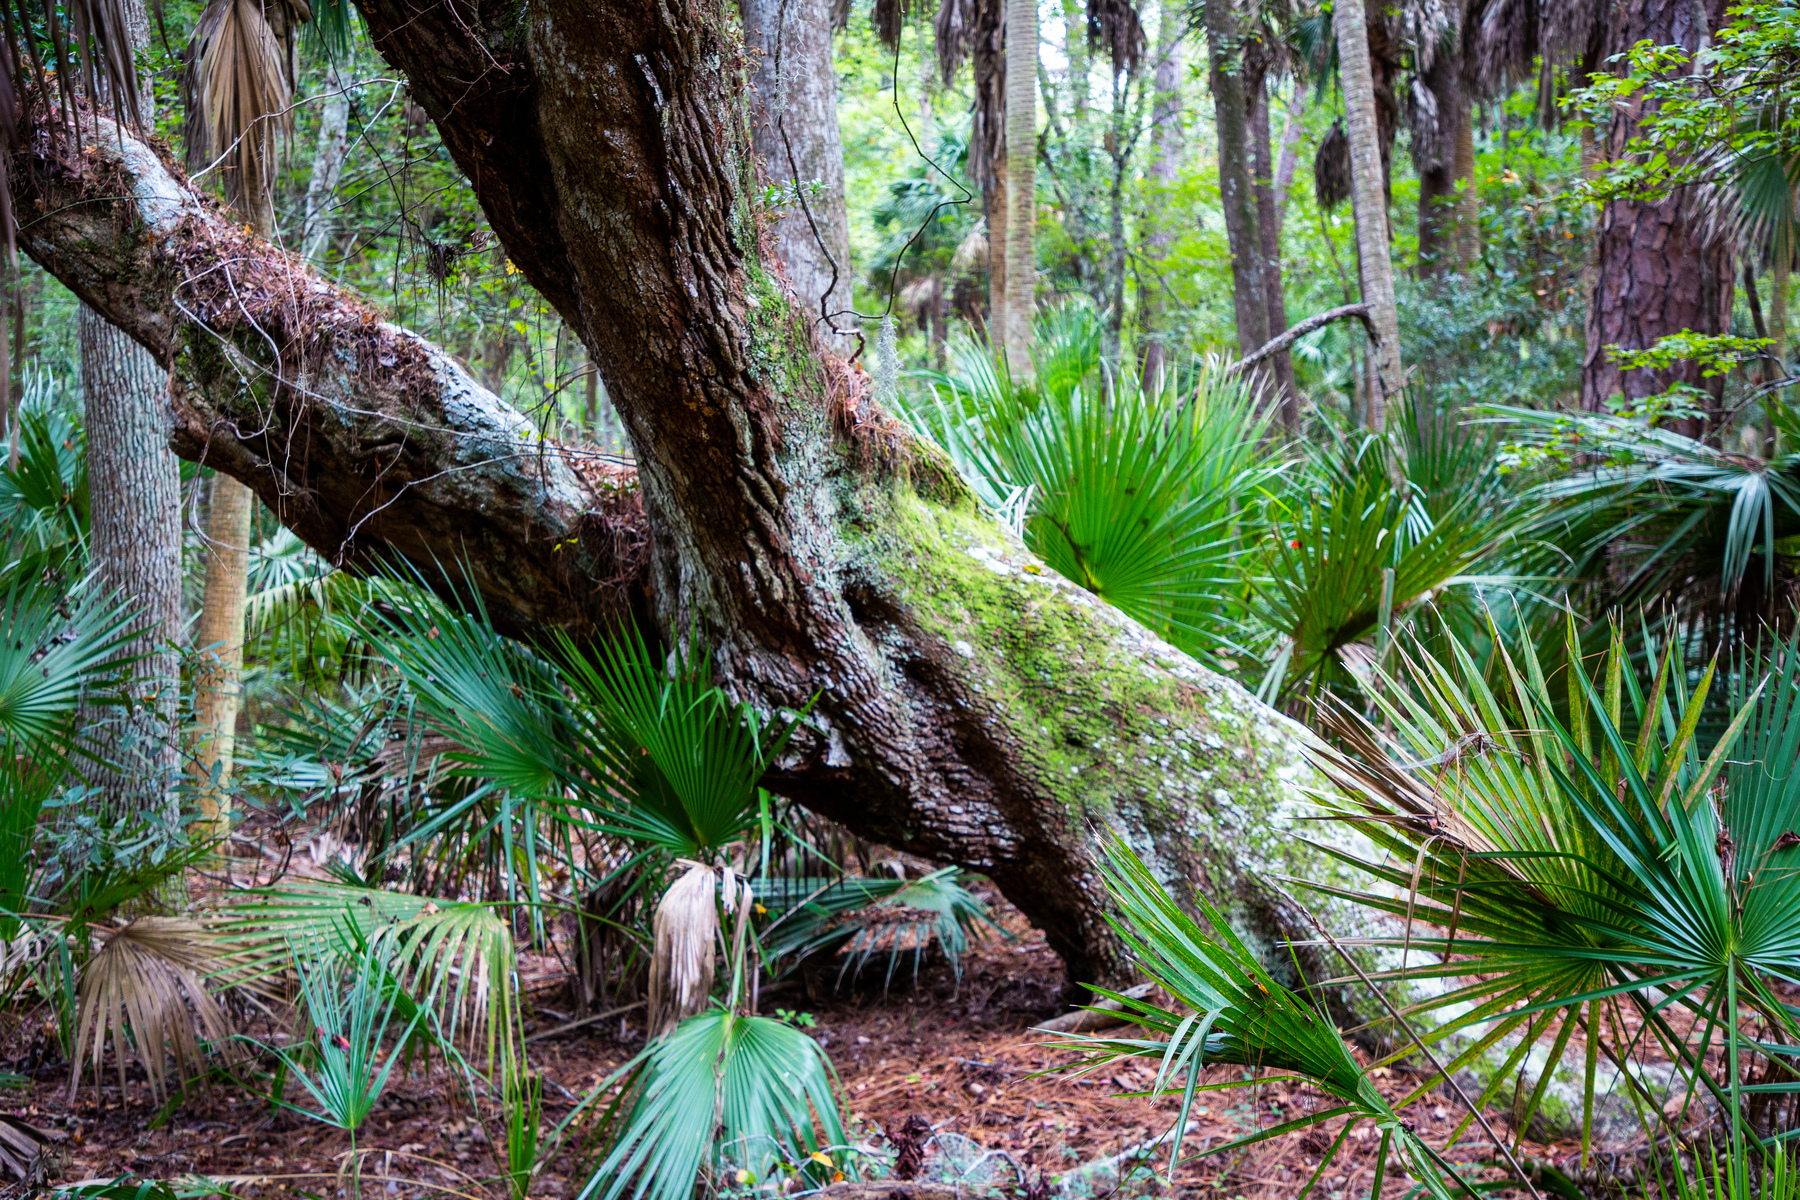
999	280
135	491
1237	197
1167	148
1268	223
1021	181
1468	225
1778	298
220	642
1367	192
1290	150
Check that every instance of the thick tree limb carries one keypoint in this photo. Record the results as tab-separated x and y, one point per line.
1294	333
361	436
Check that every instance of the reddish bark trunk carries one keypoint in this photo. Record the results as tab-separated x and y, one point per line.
1656	271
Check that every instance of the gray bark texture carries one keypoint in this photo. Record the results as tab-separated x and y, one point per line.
328	164
134	490
1021	182
1368	193
1268	231
134	485
971	707
1167	147
797	143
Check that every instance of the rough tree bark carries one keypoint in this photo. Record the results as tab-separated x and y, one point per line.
1435	154
328	162
134	489
1237	196
1368	195
1657	272
971	707
1468	207
1268	231
1021	182
796	140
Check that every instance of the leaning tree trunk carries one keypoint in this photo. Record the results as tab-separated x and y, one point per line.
1656	269
797	143
1368	196
1237	196
1021	182
971	707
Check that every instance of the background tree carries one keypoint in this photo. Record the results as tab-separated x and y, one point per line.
1368	195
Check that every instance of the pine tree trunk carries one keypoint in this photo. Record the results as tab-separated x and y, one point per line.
134	487
1237	196
1656	272
1021	182
1368	194
1268	226
796	138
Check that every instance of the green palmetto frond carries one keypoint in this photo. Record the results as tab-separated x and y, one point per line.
869	918
44	497
456	960
56	643
680	755
1238	1015
1354	550
721	1092
1133	494
1699	515
147	992
1556	870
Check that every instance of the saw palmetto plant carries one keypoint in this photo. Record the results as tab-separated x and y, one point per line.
1132	494
1591	872
1232	1012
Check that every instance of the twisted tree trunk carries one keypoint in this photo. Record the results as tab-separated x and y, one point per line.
971	707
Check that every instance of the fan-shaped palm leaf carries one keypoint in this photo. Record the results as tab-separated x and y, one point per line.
55	644
721	1092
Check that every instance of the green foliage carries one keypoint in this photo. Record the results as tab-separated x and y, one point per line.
870	917
1560	871
343	1070
721	1094
1238	1014
1130	494
57	641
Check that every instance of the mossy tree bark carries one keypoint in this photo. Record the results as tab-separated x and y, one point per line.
971	707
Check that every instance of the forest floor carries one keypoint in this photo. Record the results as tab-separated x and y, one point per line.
959	1053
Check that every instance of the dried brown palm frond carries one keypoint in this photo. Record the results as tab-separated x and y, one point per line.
972	252
151	978
976	30
1331	168
98	59
681	966
1116	26
887	17
29	1154
235	83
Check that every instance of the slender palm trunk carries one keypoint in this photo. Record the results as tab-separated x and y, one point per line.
1021	181
1167	148
218	674
1268	222
1290	150
999	279
1237	196
1367	191
135	491
1468	225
